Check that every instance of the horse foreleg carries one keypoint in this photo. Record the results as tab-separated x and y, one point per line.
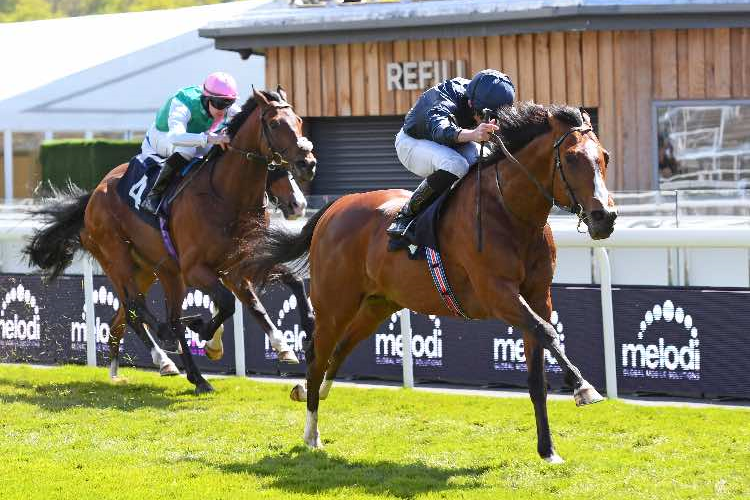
203	278
244	291
194	375
538	393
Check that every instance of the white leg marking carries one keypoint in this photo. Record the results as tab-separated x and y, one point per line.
113	367
554	459
325	388
312	436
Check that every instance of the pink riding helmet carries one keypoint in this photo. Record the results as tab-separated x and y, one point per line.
220	84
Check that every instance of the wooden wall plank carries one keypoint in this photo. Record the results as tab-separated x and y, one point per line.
463	53
298	93
525	84
494	51
607	126
745	59
697	64
574	68
557	67
372	79
416	54
286	79
722	62
314	77
643	168
477	55
328	80
401	54
665	64
343	83
710	67
432	53
590	62
272	67
510	59
683	65
737	61
357	68
542	89
387	97
625	114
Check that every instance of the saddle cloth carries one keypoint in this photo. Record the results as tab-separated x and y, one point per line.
138	181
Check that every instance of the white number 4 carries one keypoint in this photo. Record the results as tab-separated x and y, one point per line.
136	192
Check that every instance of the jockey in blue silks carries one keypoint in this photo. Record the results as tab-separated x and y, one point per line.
441	134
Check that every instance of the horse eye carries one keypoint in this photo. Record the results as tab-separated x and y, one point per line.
274	124
571	158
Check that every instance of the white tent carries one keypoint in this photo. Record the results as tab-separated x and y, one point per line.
108	72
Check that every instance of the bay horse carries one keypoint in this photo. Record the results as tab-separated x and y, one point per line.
285	195
207	219
356	282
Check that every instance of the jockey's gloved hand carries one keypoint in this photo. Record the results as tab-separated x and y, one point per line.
221	140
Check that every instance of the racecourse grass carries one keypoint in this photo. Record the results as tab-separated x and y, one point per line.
68	433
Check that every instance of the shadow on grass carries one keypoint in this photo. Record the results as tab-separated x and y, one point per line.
89	394
303	471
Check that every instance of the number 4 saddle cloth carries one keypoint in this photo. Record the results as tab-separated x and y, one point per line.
138	181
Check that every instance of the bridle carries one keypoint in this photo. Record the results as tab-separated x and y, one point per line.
575	208
276	159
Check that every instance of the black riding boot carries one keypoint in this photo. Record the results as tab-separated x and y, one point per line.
427	192
173	164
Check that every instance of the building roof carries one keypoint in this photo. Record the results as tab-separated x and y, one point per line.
286	25
110	72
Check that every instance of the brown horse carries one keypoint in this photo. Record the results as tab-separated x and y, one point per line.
207	220
284	194
356	282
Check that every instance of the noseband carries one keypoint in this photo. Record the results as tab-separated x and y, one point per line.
276	160
575	208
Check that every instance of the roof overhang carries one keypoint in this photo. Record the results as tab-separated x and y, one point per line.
285	27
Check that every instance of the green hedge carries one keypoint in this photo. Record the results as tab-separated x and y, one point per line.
84	162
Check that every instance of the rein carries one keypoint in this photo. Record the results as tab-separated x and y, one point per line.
575	208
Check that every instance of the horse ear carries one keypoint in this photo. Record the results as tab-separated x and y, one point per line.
281	91
260	98
586	117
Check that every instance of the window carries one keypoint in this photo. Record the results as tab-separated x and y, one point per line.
703	145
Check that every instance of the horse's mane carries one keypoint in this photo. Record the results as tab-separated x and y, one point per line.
523	122
234	126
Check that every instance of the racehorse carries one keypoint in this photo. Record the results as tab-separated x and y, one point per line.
283	194
207	219
356	282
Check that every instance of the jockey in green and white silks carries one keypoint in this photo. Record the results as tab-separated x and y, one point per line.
185	127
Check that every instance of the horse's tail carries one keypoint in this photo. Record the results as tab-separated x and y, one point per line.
279	251
52	247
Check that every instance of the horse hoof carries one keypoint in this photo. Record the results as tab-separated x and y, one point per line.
203	388
288	357
314	442
298	393
554	459
214	349
118	380
169	369
586	395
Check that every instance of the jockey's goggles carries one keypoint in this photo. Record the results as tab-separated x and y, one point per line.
220	103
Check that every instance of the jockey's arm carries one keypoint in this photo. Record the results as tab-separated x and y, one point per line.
179	116
442	125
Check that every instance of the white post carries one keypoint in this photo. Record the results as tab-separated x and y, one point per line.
406	360
49	135
8	164
88	293
239	339
88	135
608	324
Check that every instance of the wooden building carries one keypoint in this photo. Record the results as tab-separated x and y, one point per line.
353	71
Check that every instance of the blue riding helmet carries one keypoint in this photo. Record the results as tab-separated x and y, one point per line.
490	89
